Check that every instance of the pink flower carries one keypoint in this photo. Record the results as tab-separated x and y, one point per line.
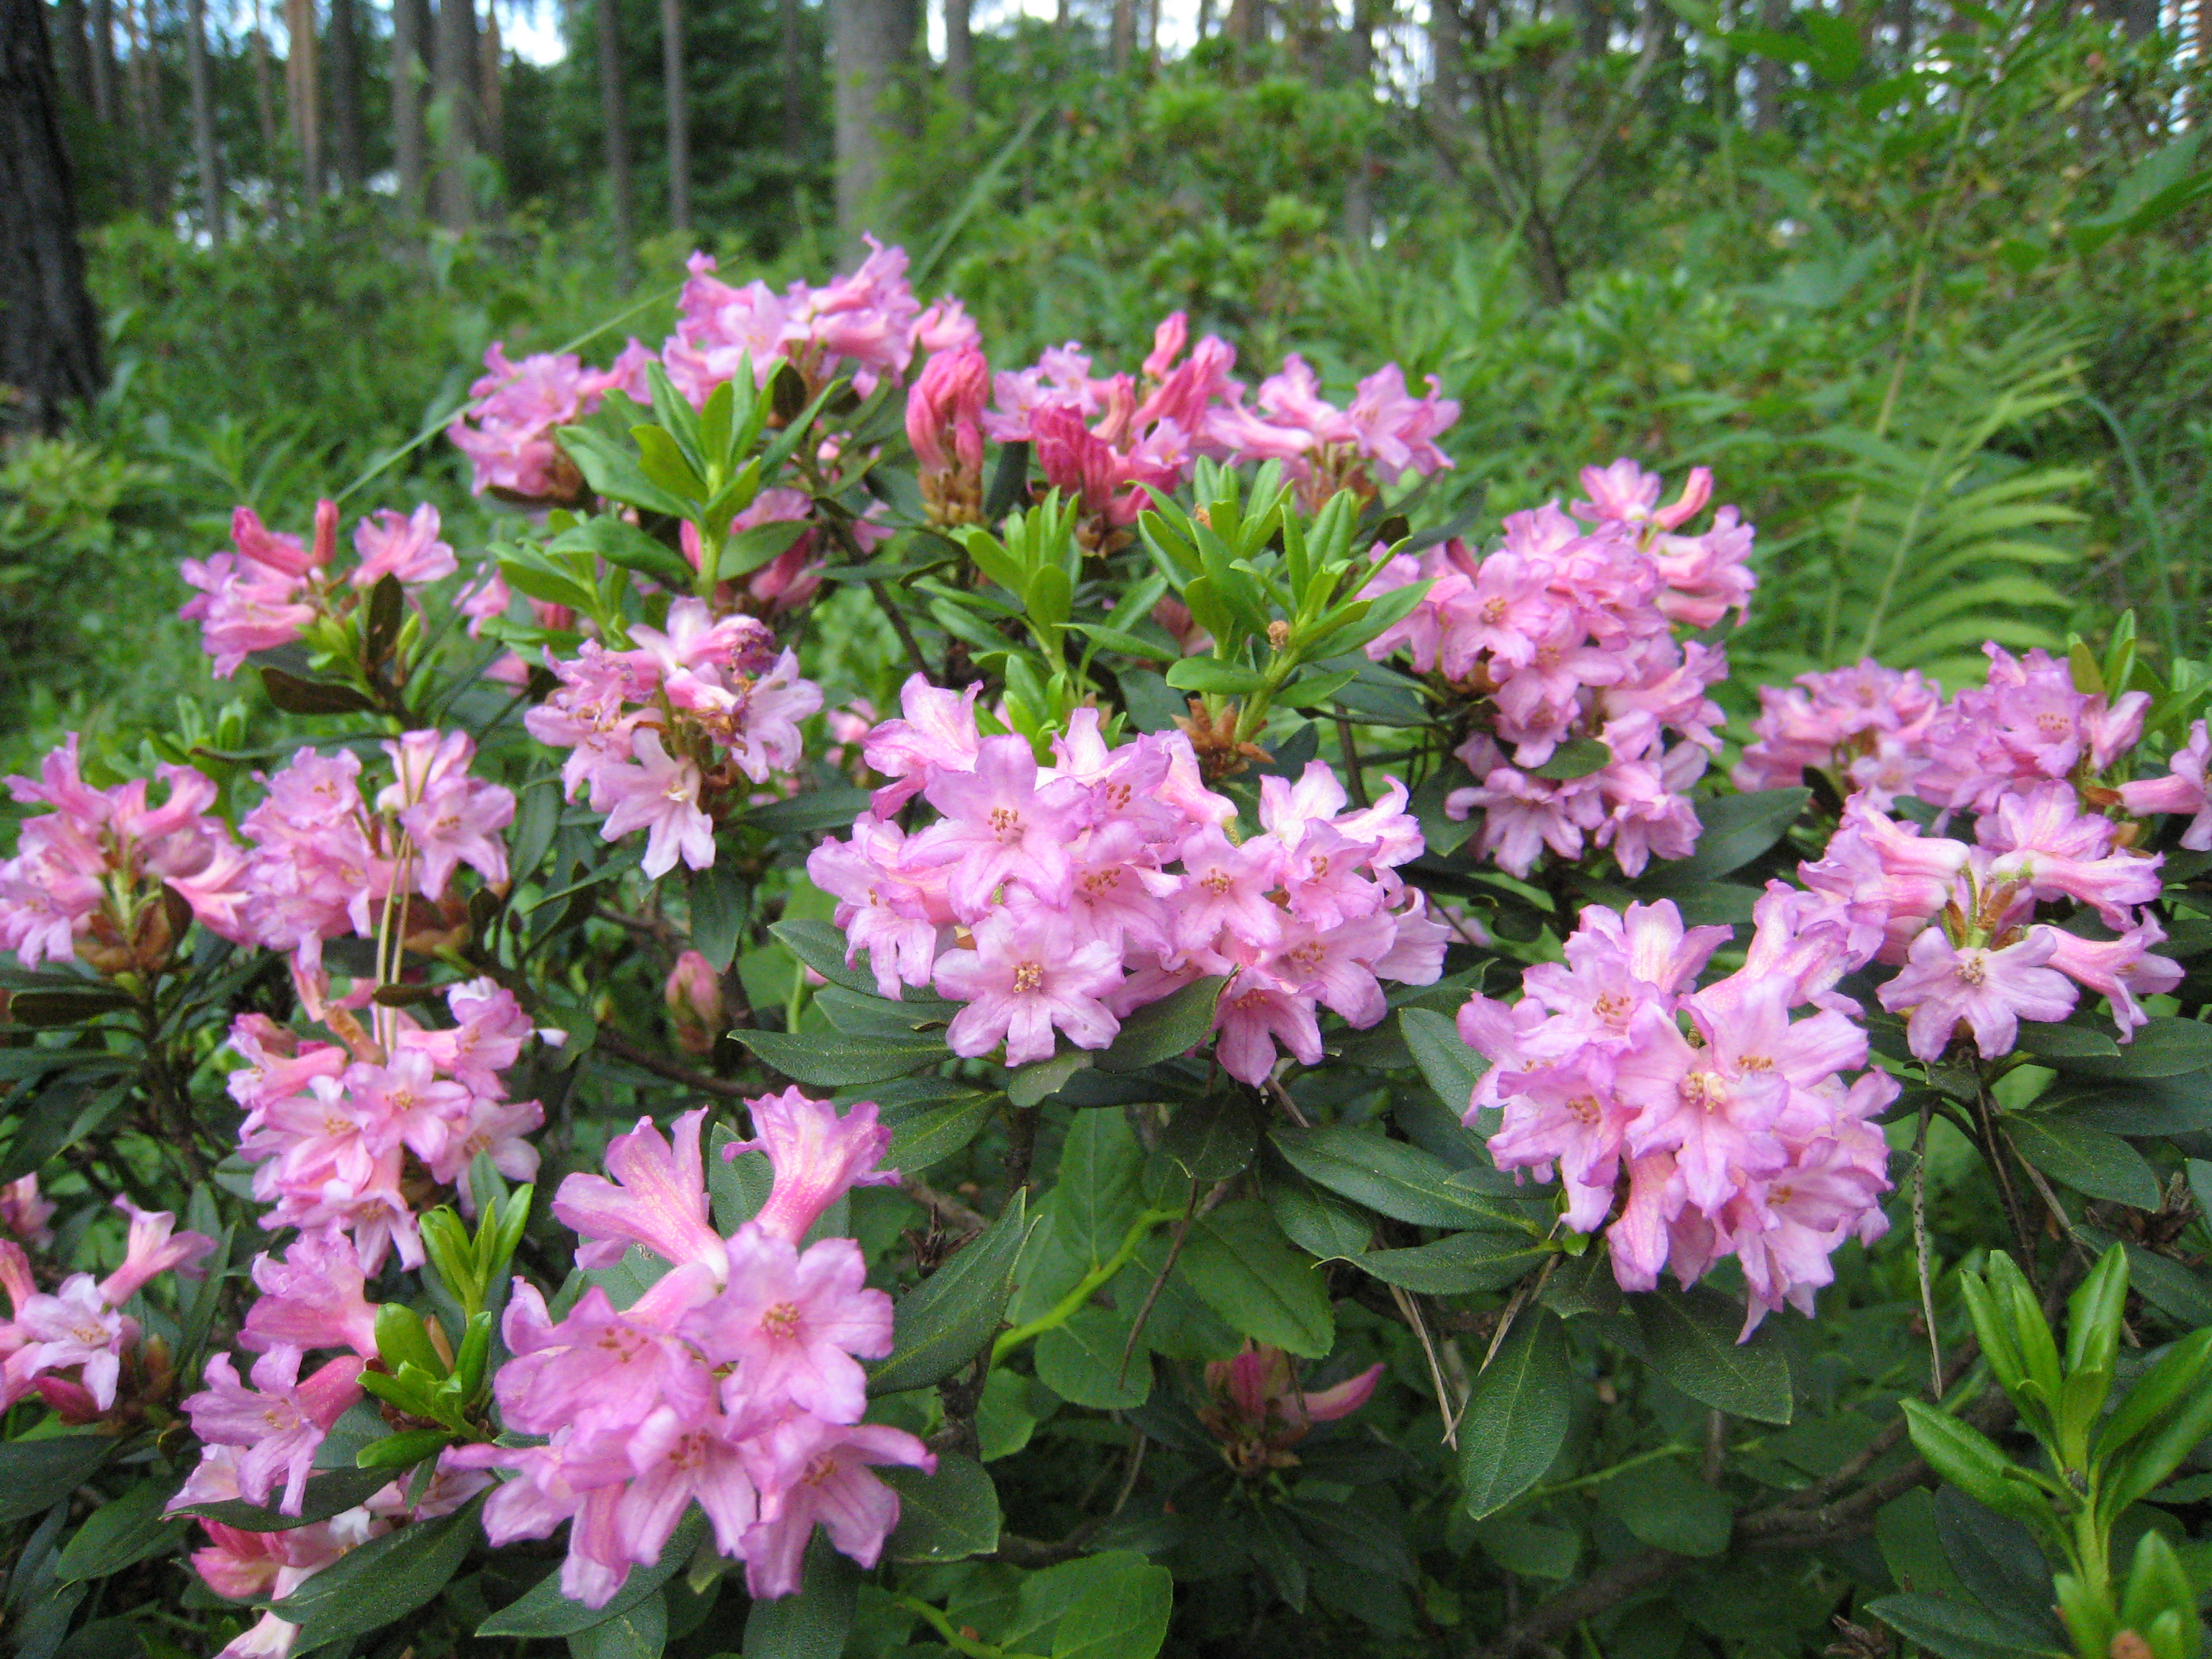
660	796
151	1249
2117	969
2042	837
938	731
24	1213
818	1158
943	409
600	1369
2181	790
1257	1011
792	1324
1000	825
407	548
660	1201
810	1471
1025	978
1992	990
276	1425
1224	888
314	1298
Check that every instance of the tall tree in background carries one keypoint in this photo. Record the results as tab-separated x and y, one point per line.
103	62
872	42
409	64
49	333
146	109
303	97
207	158
452	79
1359	199
72	53
265	99
960	52
788	65
491	102
1124	34
346	146
616	120
679	114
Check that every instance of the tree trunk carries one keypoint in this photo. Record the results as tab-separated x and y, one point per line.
673	93
407	135
959	53
146	109
73	53
103	62
206	157
1766	76
1358	203
1593	28
1125	34
1248	22
872	41
303	94
1204	18
49	332
264	103
454	74
1447	88
615	119
345	98
794	79
491	99
1152	35
2139	18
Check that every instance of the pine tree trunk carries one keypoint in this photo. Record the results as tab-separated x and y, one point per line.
407	78
72	52
453	75
1442	101
959	53
672	91
1125	34
345	98
49	332
206	157
491	99
615	119
303	94
103	62
871	42
1766	77
1358	203
794	87
265	104
146	111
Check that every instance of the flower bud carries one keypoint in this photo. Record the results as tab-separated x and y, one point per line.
694	994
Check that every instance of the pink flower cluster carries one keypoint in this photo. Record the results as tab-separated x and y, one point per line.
324	862
80	1327
347	1138
1961	917
1049	900
659	734
1113	442
867	324
24	1214
1568	632
1738	1137
2181	790
734	1380
274	587
88	873
1872	728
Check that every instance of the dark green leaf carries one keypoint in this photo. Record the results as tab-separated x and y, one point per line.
639	1632
387	609
814	1623
928	1137
1161	1031
945	1517
1661	1504
325	1495
821	947
1081	1361
1458	1265
121	1533
718	912
833	1059
1028	1085
942	1323
1736	829
1999	1561
1313	1217
1516	1420
749	550
2047	1042
44	1010
1390	1176
1578	757
1009	481
811	811
1151	706
1689	1337
2181	1294
1949	1629
1238	1261
1451	1068
36	1474
543	1611
1213	1137
385	1579
1123	1617
296	695
2167	1047
1046	1597
2087	1160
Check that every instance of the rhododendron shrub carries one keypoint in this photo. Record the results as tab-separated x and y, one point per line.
906	1001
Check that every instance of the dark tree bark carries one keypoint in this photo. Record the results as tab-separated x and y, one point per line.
1124	34
346	147
615	118
1444	99
1248	22
959	53
453	76
674	96
407	82
207	158
1358	203
794	84
264	101
146	111
873	43
491	96
49	332
73	52
303	93
103	61
1766	78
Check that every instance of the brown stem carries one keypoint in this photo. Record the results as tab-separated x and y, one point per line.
623	1049
942	1205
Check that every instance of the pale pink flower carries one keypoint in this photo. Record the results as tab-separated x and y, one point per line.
658	1198
792	1324
660	795
818	1158
1025	977
407	548
1992	990
808	1471
2181	790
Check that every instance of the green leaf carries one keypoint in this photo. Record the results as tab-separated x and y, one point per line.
543	1611
1123	1617
387	609
1458	1265
814	1623
1313	1217
821	947
1451	1068
1081	1361
1516	1420
1161	1031
1213	1137
121	1533
1238	1261
1690	1339
611	470
2046	1042
1096	1195
1211	674
945	1517
749	550
621	542
639	1633
1046	1597
385	1579
1970	1461
1662	1506
1950	1630
36	1474
1028	1085
2167	1047
932	1136
833	1059
718	912
662	462
942	1323
2087	1160
1736	830
809	813
296	695
325	1496
1391	1178
1578	757
44	1010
